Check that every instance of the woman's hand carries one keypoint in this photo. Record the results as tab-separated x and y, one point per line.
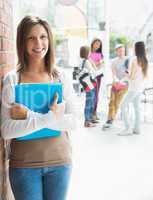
57	109
18	112
53	107
100	64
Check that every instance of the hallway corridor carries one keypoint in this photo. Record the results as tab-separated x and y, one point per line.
108	166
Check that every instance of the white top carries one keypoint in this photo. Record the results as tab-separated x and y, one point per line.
118	67
90	67
35	121
87	68
137	83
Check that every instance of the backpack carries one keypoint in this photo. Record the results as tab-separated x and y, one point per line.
126	64
86	80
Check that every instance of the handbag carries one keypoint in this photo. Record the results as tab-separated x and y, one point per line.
119	86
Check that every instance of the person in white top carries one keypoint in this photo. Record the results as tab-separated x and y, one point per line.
38	169
137	78
119	66
86	78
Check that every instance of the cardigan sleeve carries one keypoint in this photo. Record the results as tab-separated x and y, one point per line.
16	128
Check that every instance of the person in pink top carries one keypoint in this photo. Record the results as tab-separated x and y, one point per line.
96	56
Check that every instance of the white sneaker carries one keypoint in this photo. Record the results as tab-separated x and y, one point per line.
108	125
125	132
137	132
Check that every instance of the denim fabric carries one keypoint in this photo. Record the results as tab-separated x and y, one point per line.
46	183
134	98
97	93
89	105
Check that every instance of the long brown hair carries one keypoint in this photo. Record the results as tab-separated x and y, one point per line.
84	52
99	50
23	30
141	57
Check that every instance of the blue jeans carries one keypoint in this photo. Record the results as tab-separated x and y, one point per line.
89	105
46	183
134	98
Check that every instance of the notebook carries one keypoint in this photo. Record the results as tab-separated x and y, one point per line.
38	97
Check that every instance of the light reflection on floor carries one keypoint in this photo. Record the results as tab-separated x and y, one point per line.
107	166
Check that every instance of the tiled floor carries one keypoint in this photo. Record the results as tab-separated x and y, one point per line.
111	167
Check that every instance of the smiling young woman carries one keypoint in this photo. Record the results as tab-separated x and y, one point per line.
39	169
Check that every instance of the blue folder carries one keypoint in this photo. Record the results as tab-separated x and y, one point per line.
38	97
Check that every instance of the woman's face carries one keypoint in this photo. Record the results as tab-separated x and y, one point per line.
37	42
96	45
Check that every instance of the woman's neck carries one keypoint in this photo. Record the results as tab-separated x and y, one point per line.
94	51
36	67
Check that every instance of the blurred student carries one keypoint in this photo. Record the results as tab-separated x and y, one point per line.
137	79
88	82
119	86
96	56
